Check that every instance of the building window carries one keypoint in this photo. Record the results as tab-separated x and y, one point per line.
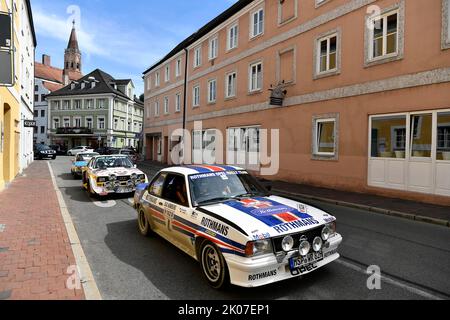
178	102
388	137
149	83
157	79
101	103
445	24
257	23
233	36
197	57
77	104
55	123
156	109
166	105
89	122
101	123
196	96
89	104
36	113
384	36
230	85
213	48
443	136
327	54
36	98
178	68
325	137
66	122
421	137
116	124
255	77
320	2
212	91
287	11
66	105
42	113
77	122
42	129
55	105
167	73
244	145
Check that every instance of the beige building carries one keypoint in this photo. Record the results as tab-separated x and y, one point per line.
367	83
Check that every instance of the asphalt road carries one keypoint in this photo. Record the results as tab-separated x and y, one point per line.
414	257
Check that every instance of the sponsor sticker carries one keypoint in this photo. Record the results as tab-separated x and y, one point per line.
215	226
262	275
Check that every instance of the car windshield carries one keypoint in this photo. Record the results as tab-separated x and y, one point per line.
112	162
86	156
216	187
42	147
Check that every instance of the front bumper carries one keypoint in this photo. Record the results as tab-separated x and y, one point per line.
256	272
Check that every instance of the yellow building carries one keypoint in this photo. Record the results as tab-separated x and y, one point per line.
10	97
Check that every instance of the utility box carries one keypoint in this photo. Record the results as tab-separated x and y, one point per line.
5	31
6	50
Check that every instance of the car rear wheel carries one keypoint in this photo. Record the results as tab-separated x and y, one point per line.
213	265
143	224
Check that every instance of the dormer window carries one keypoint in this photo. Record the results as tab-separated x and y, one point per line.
93	84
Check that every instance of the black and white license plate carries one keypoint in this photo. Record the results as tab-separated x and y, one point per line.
124	190
298	262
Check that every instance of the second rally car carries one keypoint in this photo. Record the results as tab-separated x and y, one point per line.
237	230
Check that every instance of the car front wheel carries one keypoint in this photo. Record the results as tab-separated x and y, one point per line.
213	265
143	224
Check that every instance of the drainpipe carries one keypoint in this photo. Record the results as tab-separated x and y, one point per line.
186	51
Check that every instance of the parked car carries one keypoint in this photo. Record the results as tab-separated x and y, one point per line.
107	150
80	163
77	150
42	151
239	232
111	174
60	151
133	155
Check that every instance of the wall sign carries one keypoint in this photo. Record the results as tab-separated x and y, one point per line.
29	123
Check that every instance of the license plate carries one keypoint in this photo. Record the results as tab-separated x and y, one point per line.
123	190
299	262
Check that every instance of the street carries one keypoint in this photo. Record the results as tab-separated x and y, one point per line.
414	257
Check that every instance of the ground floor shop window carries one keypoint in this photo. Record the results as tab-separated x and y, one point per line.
389	137
244	146
443	136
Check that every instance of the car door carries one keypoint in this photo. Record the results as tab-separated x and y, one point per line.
153	204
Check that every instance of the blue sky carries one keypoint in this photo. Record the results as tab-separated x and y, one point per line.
122	38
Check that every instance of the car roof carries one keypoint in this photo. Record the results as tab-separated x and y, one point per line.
83	153
197	169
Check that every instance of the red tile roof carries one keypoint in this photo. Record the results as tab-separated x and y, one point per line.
53	74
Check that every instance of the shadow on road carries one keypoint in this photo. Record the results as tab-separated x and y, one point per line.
178	276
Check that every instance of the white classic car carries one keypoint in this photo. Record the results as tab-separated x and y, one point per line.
104	175
231	224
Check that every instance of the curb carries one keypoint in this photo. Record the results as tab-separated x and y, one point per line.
398	214
91	291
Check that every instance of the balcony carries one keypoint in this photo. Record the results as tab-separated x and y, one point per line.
69	130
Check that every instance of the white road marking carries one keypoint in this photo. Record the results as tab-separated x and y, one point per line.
390	281
91	291
104	204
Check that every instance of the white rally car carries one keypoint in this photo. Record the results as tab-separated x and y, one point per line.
225	219
104	175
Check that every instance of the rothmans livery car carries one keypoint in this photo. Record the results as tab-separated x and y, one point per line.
105	175
80	163
239	232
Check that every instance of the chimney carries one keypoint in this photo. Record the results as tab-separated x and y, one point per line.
46	60
65	78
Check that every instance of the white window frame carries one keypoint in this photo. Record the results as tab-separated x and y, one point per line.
167	73
213	48
384	19
212	91
75	119
166	105
445	24
196	96
99	126
66	120
156	106
54	123
233	44
316	155
319	54
260	29
86	120
178	66
251	87
178	102
157	79
227	85
197	57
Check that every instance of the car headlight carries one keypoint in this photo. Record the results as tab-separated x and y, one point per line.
101	180
287	244
304	248
317	244
258	248
134	176
328	231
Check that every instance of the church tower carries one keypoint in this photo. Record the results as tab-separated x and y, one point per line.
72	56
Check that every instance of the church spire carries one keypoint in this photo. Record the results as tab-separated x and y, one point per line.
72	56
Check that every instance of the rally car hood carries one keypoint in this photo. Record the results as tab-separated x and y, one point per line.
273	216
116	171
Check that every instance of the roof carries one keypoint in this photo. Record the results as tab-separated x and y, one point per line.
30	16
198	169
104	83
224	16
53	74
73	41
50	86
